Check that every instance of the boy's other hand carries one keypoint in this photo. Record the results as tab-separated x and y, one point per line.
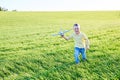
62	35
87	48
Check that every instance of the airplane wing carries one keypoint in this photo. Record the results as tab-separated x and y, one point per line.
66	31
55	34
61	32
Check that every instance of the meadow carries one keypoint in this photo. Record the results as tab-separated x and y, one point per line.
29	52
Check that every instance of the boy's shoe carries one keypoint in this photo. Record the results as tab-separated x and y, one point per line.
85	60
77	62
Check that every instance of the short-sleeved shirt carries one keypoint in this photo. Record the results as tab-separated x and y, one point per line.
79	39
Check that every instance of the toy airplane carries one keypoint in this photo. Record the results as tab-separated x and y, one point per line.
61	32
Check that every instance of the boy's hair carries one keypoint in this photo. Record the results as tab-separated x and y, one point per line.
76	25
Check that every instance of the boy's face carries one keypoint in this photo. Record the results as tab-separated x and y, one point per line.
77	29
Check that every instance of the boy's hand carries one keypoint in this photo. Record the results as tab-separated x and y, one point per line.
87	47
62	35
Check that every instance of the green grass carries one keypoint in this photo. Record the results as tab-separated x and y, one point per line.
29	52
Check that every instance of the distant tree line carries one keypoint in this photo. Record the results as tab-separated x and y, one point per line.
3	9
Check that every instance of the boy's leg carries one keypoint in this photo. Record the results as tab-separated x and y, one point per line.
76	55
83	52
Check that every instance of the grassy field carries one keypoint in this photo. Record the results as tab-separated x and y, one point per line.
29	52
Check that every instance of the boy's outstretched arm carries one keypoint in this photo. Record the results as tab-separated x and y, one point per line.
66	38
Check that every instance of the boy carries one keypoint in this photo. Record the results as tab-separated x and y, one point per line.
81	43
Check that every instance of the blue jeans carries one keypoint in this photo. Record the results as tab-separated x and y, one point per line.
77	53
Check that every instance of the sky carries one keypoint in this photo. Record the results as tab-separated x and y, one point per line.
60	5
